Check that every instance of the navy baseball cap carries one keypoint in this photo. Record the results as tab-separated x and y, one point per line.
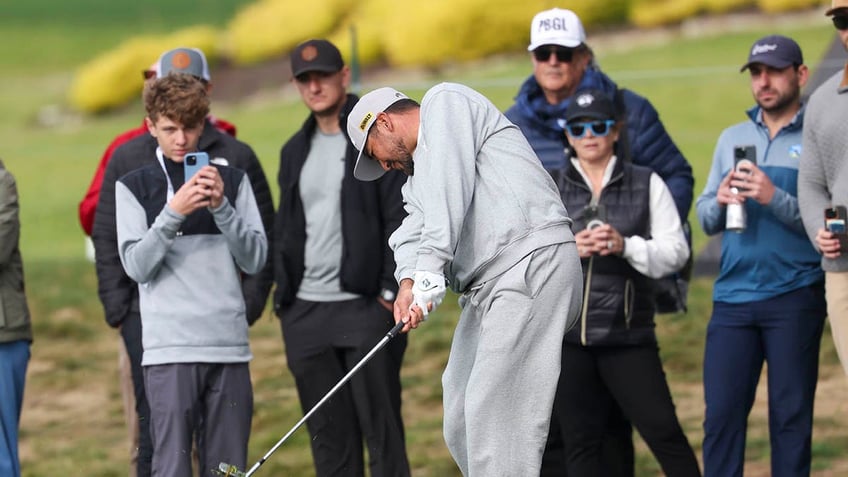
776	51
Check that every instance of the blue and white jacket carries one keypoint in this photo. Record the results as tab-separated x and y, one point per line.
189	267
773	255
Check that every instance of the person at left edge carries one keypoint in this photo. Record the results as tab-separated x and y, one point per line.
335	278
15	326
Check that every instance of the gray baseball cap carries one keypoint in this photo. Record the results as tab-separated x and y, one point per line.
359	122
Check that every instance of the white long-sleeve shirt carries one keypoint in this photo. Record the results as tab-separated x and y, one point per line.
666	251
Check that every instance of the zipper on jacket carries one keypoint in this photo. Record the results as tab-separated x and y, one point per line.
585	311
629	302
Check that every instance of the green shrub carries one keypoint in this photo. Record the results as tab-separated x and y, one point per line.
270	28
114	78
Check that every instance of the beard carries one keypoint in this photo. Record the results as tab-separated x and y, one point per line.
404	158
781	103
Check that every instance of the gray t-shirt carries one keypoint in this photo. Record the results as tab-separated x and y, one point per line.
320	191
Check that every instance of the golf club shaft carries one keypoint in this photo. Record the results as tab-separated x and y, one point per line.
391	334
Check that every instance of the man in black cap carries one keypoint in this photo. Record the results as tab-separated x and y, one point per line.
768	300
335	278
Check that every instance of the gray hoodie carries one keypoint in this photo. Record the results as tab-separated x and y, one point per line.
479	199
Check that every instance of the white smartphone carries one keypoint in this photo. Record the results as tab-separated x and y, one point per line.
193	162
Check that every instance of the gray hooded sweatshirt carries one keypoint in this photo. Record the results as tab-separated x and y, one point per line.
479	199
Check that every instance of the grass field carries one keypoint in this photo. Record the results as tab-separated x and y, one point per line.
72	419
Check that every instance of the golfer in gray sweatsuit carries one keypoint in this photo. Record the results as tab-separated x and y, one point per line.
483	214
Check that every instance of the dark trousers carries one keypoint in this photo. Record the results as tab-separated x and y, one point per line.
785	331
323	342
131	334
633	377
616	450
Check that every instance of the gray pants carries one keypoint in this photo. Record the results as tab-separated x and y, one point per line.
210	402
504	363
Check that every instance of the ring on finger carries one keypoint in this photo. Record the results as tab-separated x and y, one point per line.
609	244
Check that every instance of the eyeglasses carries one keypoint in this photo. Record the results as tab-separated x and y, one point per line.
840	22
148	74
563	54
599	128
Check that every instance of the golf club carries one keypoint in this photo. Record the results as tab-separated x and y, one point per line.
228	470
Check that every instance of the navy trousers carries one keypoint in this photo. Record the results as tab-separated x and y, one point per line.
784	331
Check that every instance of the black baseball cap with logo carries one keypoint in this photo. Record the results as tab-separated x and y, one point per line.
316	55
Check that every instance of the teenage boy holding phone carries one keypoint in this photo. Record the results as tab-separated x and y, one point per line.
187	242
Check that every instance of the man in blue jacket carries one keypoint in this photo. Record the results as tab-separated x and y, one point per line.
562	64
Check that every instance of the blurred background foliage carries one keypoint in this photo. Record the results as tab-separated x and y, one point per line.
392	33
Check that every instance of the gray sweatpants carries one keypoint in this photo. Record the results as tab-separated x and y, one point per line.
211	402
504	363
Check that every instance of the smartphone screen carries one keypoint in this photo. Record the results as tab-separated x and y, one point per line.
193	162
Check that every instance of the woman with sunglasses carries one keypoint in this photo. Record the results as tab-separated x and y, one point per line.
628	233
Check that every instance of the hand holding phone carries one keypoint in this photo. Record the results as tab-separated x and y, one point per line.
743	158
834	222
193	162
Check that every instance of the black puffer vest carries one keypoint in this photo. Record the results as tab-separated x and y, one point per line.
620	305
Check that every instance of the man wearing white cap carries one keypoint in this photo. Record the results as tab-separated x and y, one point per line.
821	184
484	218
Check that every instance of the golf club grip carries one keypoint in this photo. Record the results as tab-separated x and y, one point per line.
396	329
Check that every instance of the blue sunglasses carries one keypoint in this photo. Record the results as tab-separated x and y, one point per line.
599	128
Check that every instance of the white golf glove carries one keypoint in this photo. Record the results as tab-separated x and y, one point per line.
428	287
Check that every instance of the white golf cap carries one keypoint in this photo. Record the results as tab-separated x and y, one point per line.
556	26
359	123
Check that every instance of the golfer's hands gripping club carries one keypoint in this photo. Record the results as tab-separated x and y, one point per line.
418	297
428	291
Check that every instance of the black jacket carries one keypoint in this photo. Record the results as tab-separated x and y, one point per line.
371	211
118	293
620	308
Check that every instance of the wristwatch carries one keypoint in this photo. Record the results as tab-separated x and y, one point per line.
387	295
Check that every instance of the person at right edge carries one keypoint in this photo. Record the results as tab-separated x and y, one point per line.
823	183
335	278
563	63
768	299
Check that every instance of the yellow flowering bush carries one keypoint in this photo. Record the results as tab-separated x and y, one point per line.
387	32
270	28
114	78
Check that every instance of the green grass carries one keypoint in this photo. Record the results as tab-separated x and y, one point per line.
72	417
51	35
